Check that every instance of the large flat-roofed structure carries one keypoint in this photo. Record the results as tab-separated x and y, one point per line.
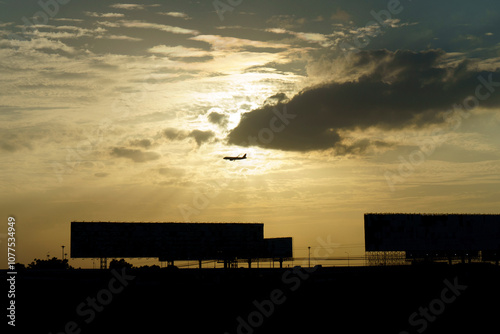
176	241
433	236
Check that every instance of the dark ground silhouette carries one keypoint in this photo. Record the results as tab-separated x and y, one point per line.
265	300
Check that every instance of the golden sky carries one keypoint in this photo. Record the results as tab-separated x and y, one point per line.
123	112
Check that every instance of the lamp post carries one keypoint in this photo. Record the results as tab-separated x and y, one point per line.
347	259
62	252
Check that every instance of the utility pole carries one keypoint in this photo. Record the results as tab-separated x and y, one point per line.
347	259
309	248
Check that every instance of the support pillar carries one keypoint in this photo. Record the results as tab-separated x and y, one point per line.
103	263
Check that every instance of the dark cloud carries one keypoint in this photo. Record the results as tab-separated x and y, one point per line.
218	118
134	154
276	98
286	21
14	143
192	60
145	143
199	136
174	134
393	90
15	139
359	147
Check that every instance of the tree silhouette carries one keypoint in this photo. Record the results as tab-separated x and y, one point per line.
115	264
152	267
19	266
53	263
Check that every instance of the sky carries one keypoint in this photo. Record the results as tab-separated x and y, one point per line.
116	111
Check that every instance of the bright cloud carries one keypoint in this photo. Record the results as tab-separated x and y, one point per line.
161	27
232	43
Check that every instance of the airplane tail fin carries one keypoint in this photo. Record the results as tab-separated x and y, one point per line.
245	155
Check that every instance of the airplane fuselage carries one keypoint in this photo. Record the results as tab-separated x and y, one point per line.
235	158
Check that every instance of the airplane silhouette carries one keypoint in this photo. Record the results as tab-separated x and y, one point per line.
236	158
